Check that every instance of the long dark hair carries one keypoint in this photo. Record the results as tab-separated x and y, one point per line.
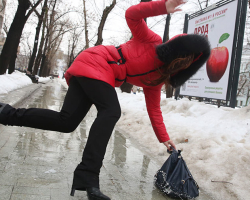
169	69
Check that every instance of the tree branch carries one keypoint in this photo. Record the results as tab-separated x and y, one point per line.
105	14
33	8
241	87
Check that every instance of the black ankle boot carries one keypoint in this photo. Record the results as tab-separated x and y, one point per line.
92	192
87	181
2	115
96	194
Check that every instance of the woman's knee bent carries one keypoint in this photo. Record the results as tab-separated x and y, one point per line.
113	113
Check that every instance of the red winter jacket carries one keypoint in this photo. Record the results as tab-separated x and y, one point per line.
140	57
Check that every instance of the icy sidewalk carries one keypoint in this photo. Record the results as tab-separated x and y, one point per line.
37	164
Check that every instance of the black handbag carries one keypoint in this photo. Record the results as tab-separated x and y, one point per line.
175	180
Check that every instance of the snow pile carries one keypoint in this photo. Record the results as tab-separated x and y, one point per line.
215	141
10	82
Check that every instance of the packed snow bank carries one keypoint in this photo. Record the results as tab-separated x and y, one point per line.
10	82
215	142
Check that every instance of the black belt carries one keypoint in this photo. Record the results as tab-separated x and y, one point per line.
121	60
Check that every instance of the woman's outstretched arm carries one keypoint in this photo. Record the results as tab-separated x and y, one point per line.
136	14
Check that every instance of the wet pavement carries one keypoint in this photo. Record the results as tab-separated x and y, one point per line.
38	165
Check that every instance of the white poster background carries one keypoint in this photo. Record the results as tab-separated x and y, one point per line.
213	24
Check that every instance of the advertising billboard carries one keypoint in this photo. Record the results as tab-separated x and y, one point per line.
212	80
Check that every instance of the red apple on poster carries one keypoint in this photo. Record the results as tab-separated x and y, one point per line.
218	60
217	63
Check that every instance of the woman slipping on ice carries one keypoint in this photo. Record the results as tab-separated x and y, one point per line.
143	61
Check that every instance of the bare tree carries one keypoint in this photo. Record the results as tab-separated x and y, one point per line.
72	44
38	30
40	49
55	25
9	52
55	31
244	82
104	17
105	14
169	89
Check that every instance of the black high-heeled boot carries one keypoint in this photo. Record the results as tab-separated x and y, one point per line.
87	181
92	192
2	114
96	194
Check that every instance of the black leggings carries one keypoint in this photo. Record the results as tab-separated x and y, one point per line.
82	93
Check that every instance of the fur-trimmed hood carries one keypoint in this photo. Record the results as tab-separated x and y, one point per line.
183	45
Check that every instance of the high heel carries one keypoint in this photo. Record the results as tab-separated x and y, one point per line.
72	192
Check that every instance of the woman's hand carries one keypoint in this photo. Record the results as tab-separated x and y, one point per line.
172	4
169	144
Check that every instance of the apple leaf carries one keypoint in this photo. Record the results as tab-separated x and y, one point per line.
223	37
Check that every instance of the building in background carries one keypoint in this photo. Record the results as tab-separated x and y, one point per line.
59	64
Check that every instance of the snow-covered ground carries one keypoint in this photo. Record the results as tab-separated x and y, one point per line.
215	142
10	82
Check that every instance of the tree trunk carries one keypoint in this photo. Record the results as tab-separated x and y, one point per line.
169	88
248	92
38	28
166	31
40	50
39	57
105	14
85	26
169	91
43	58
42	65
12	63
13	37
71	56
